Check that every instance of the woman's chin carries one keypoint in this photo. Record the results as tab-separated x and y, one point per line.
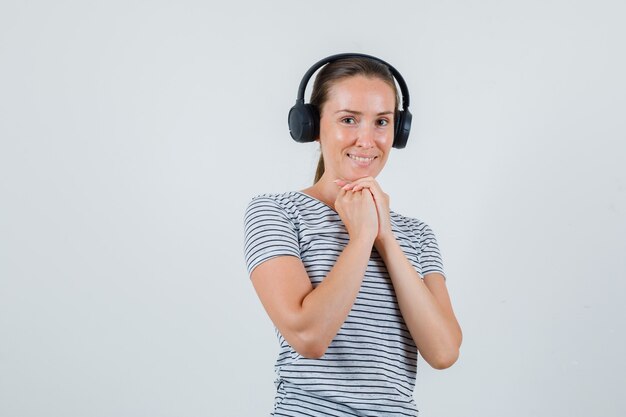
357	175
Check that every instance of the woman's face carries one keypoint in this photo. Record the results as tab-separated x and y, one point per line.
356	128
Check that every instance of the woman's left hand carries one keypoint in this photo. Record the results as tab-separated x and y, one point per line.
381	199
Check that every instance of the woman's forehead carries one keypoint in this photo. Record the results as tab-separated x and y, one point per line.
361	93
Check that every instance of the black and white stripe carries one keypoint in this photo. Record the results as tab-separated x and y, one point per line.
369	368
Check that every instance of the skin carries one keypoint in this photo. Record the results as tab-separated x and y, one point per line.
357	120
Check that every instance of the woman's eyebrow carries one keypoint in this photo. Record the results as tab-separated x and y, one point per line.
348	111
360	113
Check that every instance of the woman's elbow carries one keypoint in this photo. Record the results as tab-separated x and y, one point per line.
309	346
312	352
444	360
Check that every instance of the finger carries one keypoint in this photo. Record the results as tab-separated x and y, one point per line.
377	192
367	194
364	181
352	184
380	198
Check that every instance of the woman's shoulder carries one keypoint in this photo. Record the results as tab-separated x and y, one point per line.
285	199
298	206
289	202
278	197
410	225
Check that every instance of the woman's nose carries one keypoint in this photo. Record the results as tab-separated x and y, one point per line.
365	137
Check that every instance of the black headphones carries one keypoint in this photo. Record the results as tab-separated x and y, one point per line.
304	119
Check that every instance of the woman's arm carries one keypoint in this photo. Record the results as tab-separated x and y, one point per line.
425	304
310	318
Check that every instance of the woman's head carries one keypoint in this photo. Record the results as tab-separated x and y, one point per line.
359	90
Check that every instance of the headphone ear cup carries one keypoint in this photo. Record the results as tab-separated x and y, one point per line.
304	122
402	129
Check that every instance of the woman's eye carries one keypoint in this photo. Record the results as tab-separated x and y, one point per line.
383	122
349	120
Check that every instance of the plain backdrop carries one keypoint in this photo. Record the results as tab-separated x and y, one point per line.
134	133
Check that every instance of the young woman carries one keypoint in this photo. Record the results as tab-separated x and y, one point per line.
355	290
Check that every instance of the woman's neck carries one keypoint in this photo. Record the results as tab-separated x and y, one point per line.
324	190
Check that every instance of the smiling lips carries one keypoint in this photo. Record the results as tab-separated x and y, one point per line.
362	160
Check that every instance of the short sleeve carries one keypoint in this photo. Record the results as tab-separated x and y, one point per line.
268	232
430	257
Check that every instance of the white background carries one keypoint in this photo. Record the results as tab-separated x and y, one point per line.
134	133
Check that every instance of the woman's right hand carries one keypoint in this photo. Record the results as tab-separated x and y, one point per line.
357	210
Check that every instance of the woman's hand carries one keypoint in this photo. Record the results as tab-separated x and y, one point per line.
358	212
381	201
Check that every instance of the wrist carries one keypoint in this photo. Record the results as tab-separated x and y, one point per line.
385	238
362	239
384	241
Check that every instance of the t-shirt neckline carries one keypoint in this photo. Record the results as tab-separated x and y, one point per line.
318	201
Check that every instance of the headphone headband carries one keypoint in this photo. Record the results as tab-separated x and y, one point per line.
304	118
307	76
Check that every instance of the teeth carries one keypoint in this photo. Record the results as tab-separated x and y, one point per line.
358	158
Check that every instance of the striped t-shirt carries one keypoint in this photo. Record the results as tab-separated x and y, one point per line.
369	367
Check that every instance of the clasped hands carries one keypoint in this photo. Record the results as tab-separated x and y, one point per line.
364	208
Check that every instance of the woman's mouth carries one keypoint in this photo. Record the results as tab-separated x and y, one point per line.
362	159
